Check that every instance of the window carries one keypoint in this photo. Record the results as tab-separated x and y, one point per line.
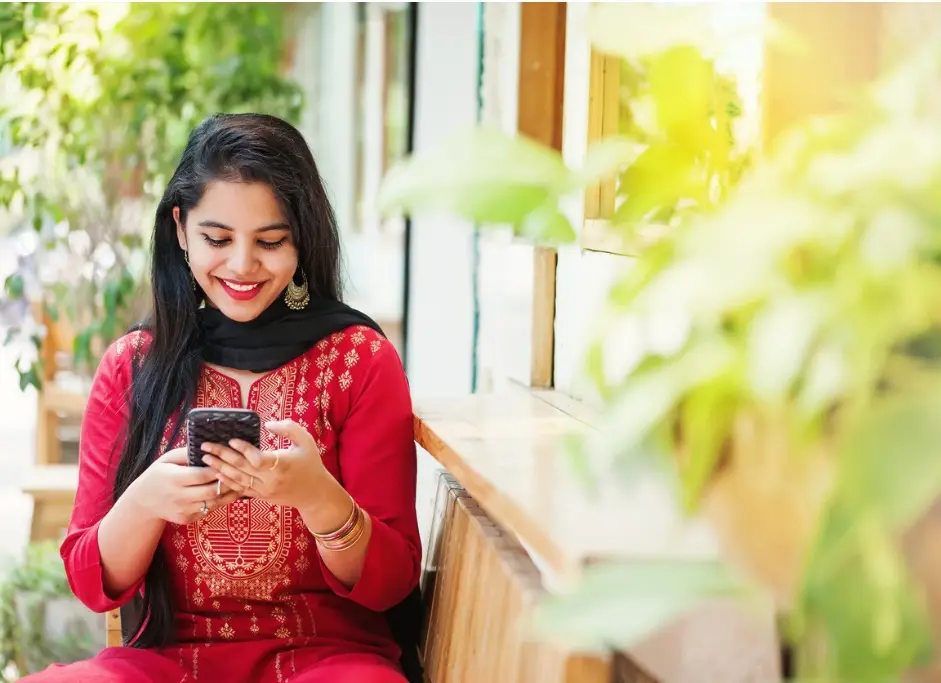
382	105
614	108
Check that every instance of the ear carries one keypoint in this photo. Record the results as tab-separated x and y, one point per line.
180	230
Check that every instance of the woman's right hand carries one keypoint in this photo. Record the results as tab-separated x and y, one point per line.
173	491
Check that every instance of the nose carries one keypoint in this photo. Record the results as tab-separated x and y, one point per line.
243	261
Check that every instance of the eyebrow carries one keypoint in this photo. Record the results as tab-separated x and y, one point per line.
223	226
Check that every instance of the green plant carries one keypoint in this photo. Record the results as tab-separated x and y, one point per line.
675	155
782	378
25	591
103	98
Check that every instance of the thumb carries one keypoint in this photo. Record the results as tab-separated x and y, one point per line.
177	456
289	428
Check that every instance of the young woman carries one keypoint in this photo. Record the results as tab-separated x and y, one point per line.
268	565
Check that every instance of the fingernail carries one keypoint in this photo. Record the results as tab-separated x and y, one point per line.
206	447
207	459
235	443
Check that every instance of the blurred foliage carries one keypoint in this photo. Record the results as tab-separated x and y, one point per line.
104	97
675	155
26	587
777	349
680	113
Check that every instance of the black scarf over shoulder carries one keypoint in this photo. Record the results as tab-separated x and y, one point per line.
277	336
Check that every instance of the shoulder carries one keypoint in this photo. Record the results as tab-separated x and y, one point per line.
353	344
355	352
122	352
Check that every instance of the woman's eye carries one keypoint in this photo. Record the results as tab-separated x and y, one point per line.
215	243
262	243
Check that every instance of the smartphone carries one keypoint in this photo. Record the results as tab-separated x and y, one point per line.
220	425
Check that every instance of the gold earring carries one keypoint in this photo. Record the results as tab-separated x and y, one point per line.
297	296
186	257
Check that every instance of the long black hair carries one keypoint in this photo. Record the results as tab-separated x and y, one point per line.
246	148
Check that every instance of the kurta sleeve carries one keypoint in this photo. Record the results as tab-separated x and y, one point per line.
100	443
378	467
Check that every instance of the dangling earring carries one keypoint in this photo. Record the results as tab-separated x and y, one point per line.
186	257
297	296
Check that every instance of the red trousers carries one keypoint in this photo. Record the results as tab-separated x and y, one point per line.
128	665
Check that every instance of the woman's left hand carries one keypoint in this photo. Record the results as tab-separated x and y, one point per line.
289	477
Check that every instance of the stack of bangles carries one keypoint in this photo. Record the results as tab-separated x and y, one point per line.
347	535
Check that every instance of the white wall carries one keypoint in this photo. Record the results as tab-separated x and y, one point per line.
440	325
440	322
505	280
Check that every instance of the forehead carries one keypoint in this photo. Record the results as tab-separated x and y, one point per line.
239	205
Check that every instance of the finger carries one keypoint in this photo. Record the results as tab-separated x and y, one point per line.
211	505
289	428
238	488
233	474
195	476
178	456
249	452
232	457
206	491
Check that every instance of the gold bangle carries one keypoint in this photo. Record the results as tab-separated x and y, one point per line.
337	541
344	529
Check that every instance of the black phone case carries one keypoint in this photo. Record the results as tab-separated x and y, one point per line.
220	425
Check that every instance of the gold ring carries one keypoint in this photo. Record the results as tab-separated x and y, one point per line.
277	459
205	508
251	481
218	487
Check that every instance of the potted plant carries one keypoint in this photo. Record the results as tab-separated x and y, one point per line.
41	623
793	403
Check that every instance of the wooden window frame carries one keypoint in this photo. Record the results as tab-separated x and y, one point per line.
540	88
597	233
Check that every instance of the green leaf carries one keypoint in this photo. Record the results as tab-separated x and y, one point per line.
81	347
548	225
481	175
30	377
14	286
890	460
681	82
779	342
660	176
605	158
706	418
649	395
616	605
869	640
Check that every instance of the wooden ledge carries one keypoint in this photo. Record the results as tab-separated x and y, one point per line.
505	450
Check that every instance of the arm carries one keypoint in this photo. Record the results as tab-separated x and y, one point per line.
378	467
107	549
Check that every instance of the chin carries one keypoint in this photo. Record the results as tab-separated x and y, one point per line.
239	311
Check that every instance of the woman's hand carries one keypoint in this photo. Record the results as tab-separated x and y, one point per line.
173	491
289	477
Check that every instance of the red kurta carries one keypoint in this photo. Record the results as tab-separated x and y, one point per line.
254	601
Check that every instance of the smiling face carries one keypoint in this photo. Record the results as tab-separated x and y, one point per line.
240	248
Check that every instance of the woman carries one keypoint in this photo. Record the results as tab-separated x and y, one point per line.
273	564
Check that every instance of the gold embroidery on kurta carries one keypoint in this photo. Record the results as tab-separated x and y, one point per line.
243	549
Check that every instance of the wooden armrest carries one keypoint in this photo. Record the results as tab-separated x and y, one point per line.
113	628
